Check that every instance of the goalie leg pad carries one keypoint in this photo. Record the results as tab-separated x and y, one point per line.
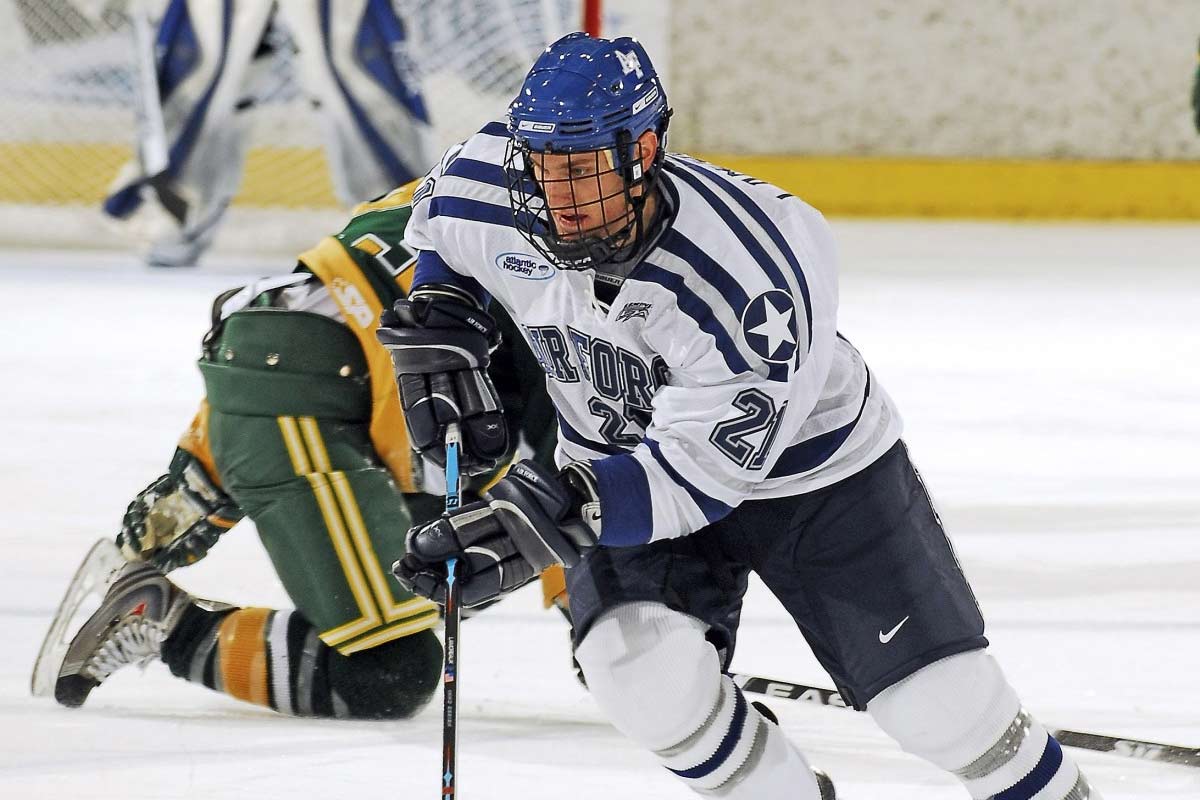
202	67
659	681
961	714
352	59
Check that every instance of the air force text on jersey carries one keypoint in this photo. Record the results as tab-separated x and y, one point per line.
717	373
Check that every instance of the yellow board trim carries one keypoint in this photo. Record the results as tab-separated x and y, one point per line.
928	187
330	261
80	172
277	177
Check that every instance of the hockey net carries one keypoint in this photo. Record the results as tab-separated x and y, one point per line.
68	92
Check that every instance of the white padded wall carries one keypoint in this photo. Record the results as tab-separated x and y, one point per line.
1095	79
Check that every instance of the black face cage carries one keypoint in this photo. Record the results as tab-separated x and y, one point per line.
593	237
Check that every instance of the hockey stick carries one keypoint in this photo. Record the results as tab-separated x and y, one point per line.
152	135
453	594
1130	748
153	148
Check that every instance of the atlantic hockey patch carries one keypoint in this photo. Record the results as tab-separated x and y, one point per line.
769	325
520	265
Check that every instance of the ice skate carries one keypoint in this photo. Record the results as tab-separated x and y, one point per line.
92	579
139	610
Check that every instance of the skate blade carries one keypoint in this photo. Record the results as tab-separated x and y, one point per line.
97	572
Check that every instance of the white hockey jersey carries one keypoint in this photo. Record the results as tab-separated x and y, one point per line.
716	375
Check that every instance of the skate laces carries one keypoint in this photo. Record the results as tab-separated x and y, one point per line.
134	640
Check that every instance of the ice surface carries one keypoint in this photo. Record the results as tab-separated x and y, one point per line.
1048	377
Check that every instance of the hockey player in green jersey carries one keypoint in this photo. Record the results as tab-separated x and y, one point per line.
301	431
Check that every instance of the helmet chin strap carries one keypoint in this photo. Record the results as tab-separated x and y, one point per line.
623	244
589	252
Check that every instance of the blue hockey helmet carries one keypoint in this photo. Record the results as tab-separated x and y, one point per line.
585	97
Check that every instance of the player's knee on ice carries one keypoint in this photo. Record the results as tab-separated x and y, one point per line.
392	681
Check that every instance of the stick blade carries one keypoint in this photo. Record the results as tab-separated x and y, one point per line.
1130	748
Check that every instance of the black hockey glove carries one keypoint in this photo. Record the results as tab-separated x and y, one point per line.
175	520
441	344
534	519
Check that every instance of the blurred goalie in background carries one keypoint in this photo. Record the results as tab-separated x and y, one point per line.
1196	93
301	431
205	67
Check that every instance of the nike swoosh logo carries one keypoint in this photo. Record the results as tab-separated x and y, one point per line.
884	638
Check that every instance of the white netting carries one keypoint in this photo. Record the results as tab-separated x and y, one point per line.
68	88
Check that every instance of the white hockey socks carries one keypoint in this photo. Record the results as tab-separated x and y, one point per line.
961	714
659	681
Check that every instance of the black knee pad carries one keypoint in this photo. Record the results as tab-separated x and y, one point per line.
391	681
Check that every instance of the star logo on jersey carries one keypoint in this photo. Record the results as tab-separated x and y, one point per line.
769	325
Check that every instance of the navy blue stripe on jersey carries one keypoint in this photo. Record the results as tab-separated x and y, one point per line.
1039	777
481	171
488	173
712	508
432	269
680	170
771	229
626	510
712	273
397	171
705	267
495	128
575	437
812	453
472	210
691	304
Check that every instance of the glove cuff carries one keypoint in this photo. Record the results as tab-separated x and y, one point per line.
441	291
581	481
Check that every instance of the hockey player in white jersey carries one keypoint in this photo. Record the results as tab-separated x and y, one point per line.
712	421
